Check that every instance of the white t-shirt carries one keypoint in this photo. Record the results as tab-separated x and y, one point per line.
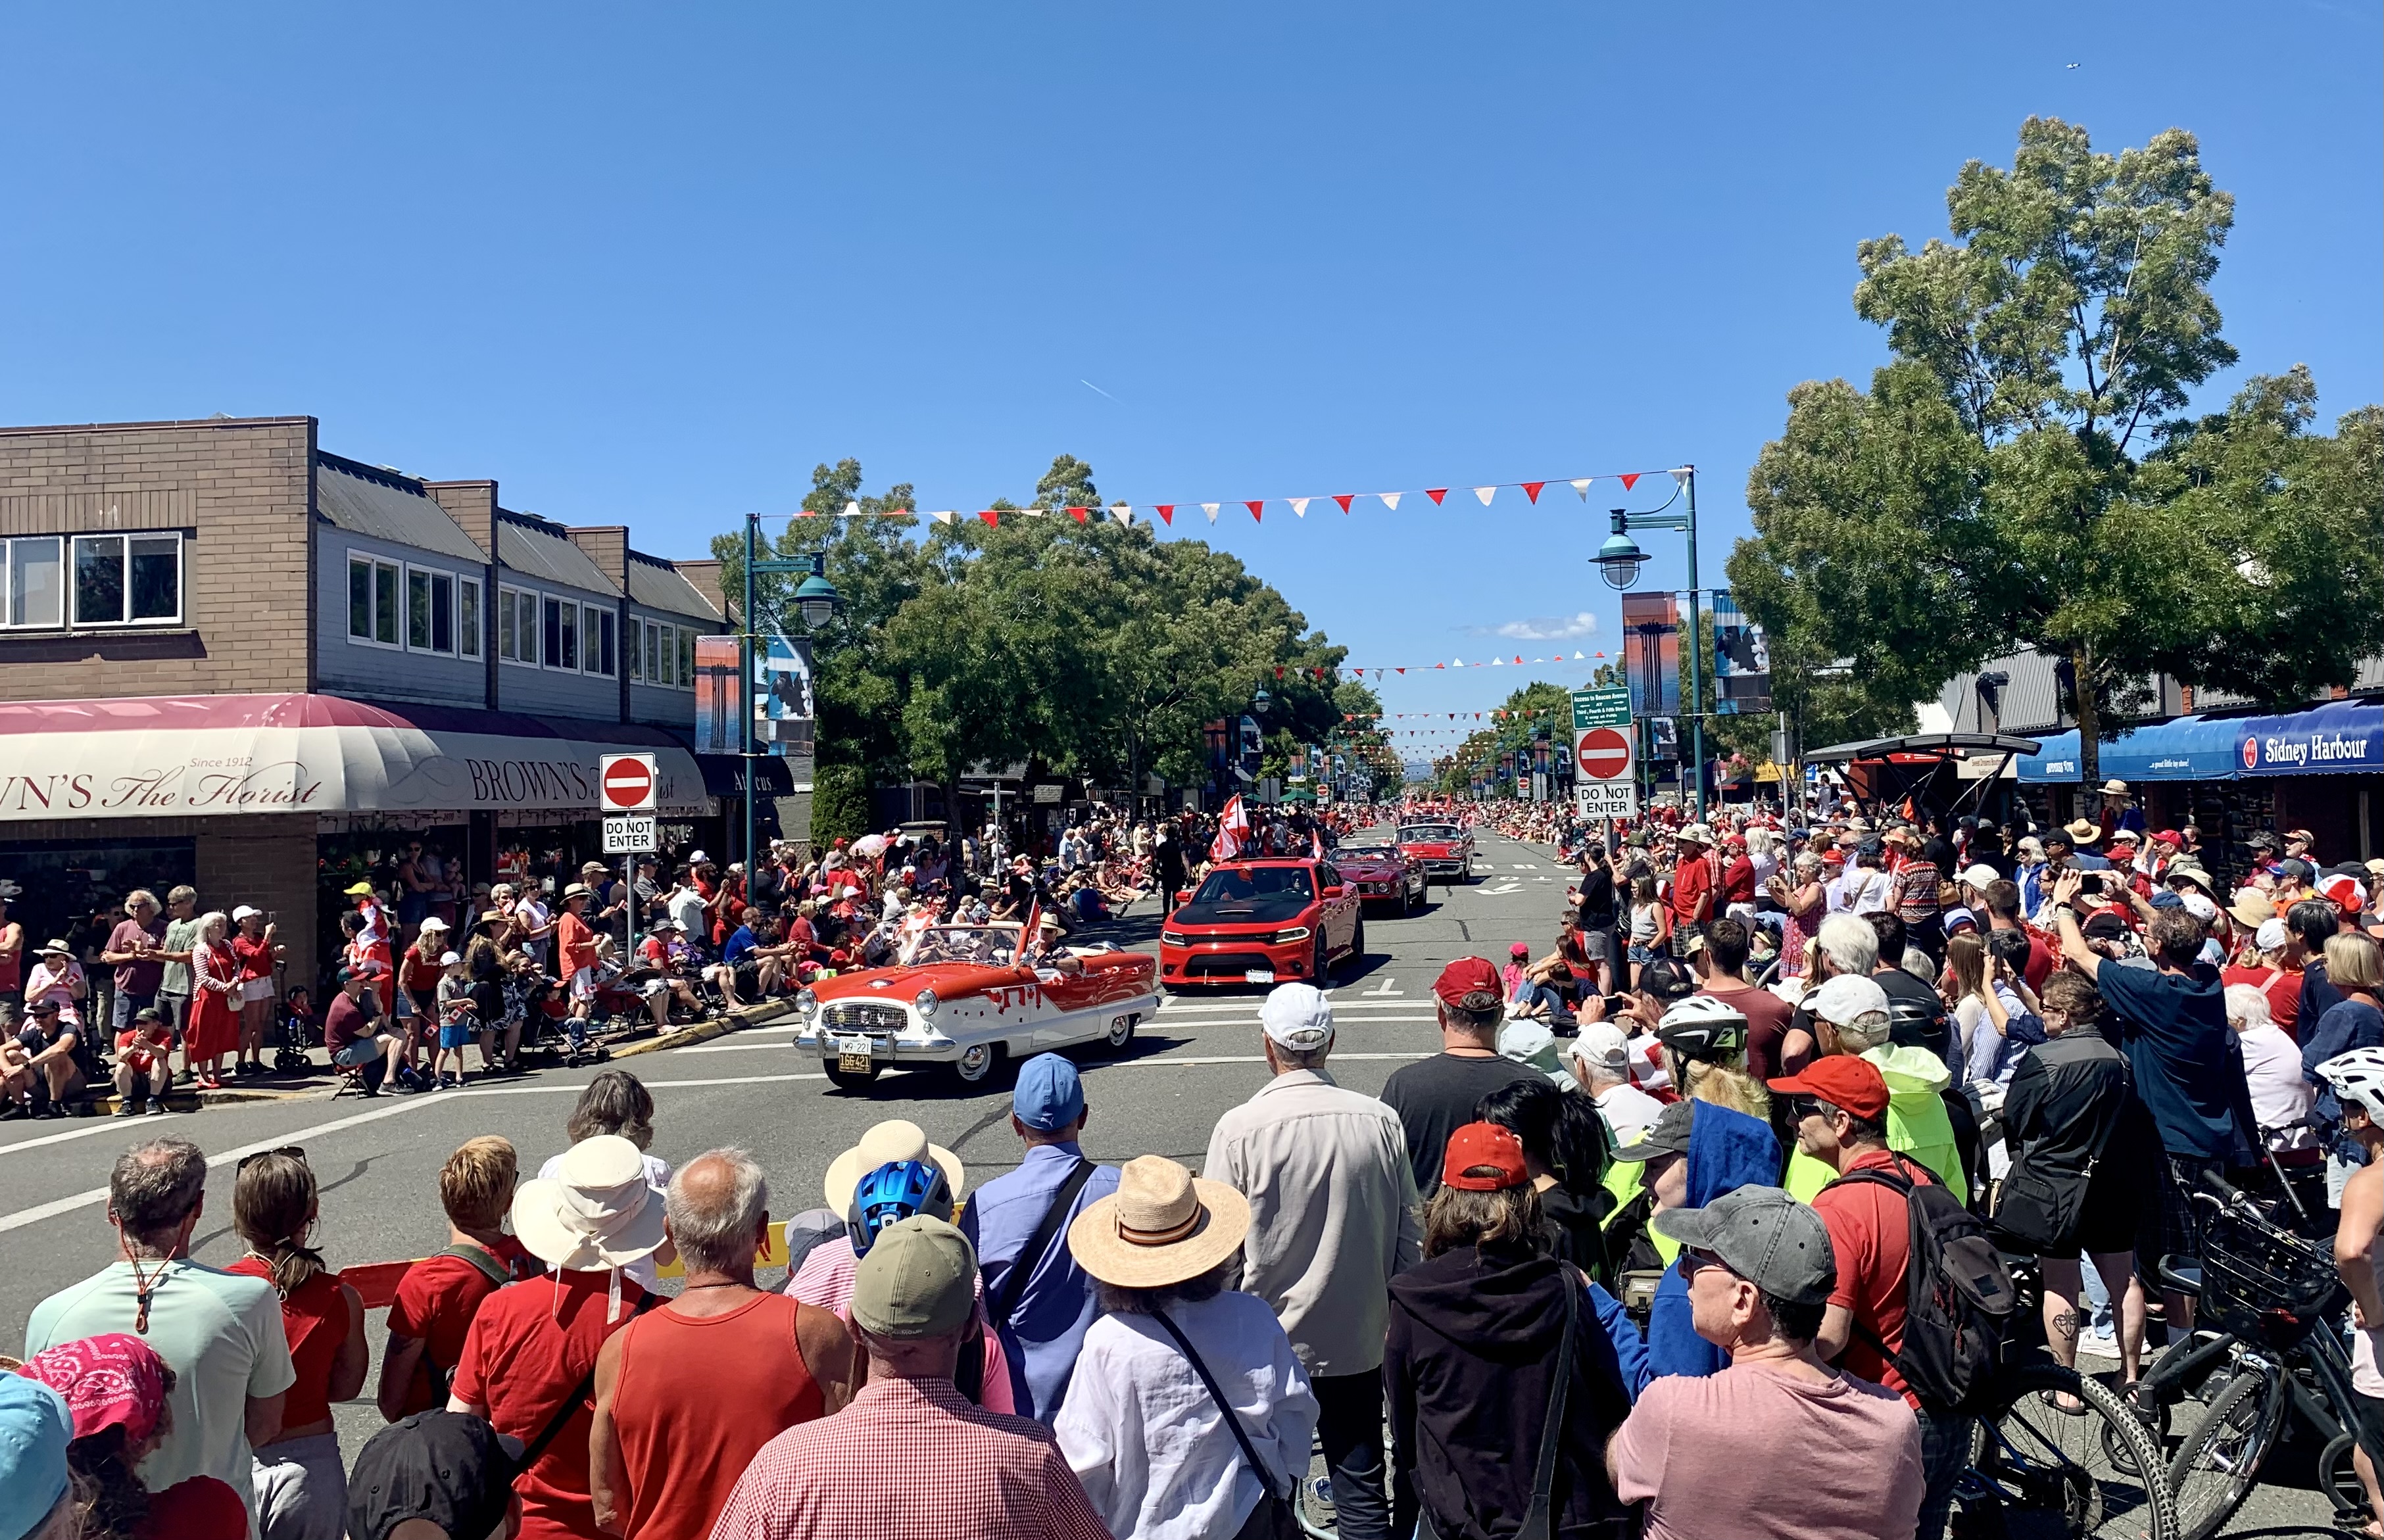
1629	1112
2272	1067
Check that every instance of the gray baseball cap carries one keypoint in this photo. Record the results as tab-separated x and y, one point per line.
1764	1236
1668	1135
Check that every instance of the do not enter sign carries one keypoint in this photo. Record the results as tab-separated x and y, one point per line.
625	783
1603	753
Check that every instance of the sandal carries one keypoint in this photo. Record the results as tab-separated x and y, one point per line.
2053	1399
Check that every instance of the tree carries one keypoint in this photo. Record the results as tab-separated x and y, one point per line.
2021	473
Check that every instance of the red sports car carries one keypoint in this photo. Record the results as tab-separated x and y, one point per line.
1446	850
1263	922
1382	874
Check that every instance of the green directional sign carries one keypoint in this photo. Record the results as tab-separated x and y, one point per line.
1609	707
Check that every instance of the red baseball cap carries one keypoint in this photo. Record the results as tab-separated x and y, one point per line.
1841	1080
1485	1144
1467	975
2168	836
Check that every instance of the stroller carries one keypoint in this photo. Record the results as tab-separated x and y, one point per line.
301	1032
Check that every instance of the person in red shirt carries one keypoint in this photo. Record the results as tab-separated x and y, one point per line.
142	1070
1724	977
2282	986
439	1295
1737	878
1692	885
574	946
1840	1107
529	1359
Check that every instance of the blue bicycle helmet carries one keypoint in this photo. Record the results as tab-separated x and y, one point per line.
892	1193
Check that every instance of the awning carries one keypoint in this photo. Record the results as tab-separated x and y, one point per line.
208	755
2341	738
723	776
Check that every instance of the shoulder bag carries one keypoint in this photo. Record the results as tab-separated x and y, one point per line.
1273	1519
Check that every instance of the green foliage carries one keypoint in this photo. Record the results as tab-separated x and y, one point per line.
840	804
2020	473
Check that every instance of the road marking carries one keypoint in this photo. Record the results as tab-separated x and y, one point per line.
1506	886
1389	986
1524	866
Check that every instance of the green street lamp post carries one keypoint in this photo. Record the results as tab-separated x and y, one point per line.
1619	561
817	601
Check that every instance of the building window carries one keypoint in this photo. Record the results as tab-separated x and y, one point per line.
561	625
610	622
654	651
385	577
467	617
373	590
127	580
32	591
633	657
517	625
687	660
596	626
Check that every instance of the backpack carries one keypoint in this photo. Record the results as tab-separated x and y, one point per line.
1959	1298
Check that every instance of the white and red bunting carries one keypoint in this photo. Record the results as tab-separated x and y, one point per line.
1125	512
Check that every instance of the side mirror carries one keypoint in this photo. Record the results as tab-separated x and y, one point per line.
1335	892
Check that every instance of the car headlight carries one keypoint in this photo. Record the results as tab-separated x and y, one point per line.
1173	938
1296	933
806	1001
926	1001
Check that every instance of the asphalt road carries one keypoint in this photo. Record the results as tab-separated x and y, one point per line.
379	1160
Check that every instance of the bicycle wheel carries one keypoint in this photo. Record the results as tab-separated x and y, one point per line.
2221	1456
2032	1458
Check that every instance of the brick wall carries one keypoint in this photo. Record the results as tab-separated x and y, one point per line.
608	546
240	491
473	505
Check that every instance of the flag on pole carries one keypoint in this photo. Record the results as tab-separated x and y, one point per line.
1233	831
1030	930
1316	843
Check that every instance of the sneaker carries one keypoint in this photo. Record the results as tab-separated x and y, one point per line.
156	1106
2102	1343
128	1108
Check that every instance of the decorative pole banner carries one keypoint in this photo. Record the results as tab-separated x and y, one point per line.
1122	513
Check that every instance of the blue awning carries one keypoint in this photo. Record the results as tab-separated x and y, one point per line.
2340	737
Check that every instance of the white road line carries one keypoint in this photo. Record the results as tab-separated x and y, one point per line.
1523	866
1388	986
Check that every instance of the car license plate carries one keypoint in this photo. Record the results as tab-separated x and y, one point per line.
1259	975
852	1048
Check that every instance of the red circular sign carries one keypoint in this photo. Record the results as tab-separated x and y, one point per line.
2251	754
1603	753
629	784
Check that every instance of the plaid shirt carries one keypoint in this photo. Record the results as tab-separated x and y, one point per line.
911	1459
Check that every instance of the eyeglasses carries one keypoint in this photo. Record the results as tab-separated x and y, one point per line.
1695	1261
293	1151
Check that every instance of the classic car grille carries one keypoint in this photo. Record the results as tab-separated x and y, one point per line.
863	1016
1225	964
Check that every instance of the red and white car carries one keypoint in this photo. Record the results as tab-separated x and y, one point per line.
1383	874
1446	849
962	1001
1263	922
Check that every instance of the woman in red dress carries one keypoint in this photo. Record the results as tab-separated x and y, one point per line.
214	1028
253	947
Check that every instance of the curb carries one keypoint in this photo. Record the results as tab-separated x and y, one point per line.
703	1032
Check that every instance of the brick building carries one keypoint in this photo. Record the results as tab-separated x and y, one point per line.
236	660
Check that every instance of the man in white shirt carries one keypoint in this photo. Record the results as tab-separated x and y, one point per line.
1600	1060
1333	1202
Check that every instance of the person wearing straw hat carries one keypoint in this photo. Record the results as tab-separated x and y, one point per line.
529	1357
909	1459
1332	1221
1477	1333
1158	1454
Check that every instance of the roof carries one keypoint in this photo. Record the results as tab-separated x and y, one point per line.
364	500
537	548
660	586
1949	744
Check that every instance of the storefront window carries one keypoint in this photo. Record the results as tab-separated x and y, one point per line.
76	891
33	594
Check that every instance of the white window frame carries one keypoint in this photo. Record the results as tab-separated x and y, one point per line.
8	548
70	613
373	567
593	618
526	607
467	636
653	650
432	574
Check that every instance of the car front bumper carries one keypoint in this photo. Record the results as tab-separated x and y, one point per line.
1231	960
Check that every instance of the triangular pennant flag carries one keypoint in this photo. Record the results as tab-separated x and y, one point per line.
1391	499
1299	505
1444	665
1629	480
1485	493
1167	515
852	510
1256	516
1211	509
1435	493
1278	671
1498	662
1457	663
991	516
944	517
1345	499
1682	476
1518	657
1532	490
1122	513
1080	515
1582	487
1400	671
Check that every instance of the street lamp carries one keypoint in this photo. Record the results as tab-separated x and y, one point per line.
817	601
1619	561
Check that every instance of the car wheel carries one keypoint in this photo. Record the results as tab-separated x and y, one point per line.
1121	1032
1357	940
979	1062
850	1080
1407	898
1320	971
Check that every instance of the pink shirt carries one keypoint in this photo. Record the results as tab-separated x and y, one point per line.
1708	1453
826	1280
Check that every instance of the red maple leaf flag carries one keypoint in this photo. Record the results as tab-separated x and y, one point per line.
1233	831
1316	843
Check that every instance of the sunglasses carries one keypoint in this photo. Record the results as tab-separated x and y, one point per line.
293	1151
1695	1260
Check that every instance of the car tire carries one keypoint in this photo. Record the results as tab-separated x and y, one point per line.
849	1080
980	1063
1116	1038
1357	942
1407	899
1319	968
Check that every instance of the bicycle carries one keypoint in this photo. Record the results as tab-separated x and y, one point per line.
2277	1302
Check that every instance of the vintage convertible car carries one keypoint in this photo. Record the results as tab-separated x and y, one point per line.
1446	850
1382	874
1262	922
960	1001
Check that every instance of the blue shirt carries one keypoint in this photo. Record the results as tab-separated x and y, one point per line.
1045	1334
740	942
2188	1063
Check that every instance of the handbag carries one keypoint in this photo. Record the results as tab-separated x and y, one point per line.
1273	1519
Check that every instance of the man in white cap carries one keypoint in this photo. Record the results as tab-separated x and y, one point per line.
529	1360
1333	1201
1600	1060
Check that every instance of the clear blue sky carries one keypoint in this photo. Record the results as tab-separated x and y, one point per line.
649	270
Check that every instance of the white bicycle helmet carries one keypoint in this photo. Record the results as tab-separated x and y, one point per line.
2357	1080
1703	1028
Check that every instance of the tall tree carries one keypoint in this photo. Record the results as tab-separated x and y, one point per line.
2021	472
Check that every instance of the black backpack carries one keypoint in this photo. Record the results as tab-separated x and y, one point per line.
1959	1298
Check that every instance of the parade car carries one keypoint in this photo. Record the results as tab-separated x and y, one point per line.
962	1001
1262	922
1446	850
1382	874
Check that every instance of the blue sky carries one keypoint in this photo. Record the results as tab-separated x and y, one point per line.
649	270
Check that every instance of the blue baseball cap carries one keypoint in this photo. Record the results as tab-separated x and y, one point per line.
34	1428
1049	1096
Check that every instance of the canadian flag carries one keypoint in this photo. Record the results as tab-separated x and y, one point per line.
1316	843
1233	832
1030	931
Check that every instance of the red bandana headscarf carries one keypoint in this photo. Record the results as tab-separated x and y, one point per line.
107	1381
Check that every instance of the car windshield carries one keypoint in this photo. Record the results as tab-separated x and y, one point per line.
1240	885
988	943
1428	831
1365	852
